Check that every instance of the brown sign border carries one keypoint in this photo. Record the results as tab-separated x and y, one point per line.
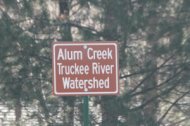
54	44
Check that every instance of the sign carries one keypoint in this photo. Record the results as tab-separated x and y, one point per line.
85	68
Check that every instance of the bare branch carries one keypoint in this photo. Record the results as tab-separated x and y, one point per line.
165	92
172	105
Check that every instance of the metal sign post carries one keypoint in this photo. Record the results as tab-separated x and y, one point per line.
85	111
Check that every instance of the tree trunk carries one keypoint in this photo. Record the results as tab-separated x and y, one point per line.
108	103
150	110
109	111
18	111
68	119
68	108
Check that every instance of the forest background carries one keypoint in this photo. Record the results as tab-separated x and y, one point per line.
154	50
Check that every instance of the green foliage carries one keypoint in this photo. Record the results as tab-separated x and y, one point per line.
151	72
10	2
